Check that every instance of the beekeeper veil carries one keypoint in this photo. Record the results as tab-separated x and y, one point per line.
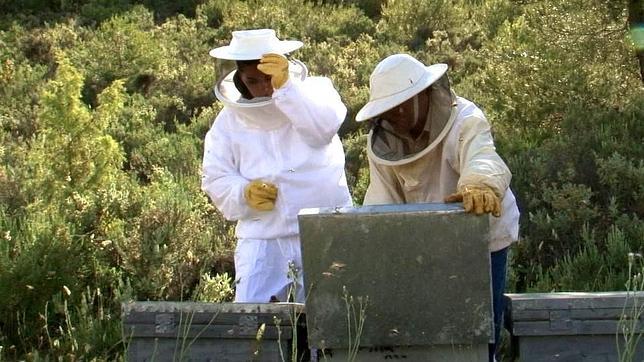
249	45
397	79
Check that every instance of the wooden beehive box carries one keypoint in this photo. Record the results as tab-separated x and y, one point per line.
573	326
189	331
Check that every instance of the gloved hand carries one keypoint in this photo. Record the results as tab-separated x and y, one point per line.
478	199
260	195
275	65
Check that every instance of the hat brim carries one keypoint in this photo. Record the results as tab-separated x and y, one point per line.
376	107
226	52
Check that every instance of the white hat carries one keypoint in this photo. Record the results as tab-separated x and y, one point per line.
396	79
252	44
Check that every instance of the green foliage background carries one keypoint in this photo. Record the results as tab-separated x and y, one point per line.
104	106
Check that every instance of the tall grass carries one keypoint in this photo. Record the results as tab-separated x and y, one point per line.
355	321
629	332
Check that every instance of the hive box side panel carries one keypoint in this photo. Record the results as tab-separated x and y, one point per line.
424	269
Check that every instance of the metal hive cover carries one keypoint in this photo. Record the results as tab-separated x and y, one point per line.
424	268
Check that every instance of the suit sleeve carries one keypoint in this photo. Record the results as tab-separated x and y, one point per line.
314	107
220	175
479	164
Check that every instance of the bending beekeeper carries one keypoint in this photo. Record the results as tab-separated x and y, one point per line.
272	150
427	144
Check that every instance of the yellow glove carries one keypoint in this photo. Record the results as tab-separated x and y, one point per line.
276	66
260	195
478	199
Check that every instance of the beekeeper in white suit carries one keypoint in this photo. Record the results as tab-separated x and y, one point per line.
428	145
272	150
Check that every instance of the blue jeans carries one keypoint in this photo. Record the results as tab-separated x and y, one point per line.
499	260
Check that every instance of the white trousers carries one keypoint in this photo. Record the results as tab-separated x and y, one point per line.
266	268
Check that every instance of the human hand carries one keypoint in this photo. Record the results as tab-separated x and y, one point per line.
275	65
478	199
260	195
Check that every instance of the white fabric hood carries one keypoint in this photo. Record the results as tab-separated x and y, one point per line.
259	112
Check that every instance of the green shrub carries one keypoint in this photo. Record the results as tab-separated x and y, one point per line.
595	266
176	236
356	165
215	289
291	19
412	22
586	175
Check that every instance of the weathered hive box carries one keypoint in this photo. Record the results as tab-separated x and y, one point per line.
188	331
574	326
422	270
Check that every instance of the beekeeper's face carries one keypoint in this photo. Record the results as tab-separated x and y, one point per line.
258	83
401	117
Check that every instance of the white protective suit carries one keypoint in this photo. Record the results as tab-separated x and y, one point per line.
463	153
291	142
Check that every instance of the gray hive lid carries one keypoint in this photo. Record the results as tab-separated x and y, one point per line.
134	307
224	320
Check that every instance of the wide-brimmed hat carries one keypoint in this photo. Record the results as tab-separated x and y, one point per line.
396	79
252	44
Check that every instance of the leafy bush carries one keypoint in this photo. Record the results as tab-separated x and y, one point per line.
175	238
215	289
291	19
589	176
595	266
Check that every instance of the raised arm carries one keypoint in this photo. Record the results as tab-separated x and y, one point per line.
314	108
